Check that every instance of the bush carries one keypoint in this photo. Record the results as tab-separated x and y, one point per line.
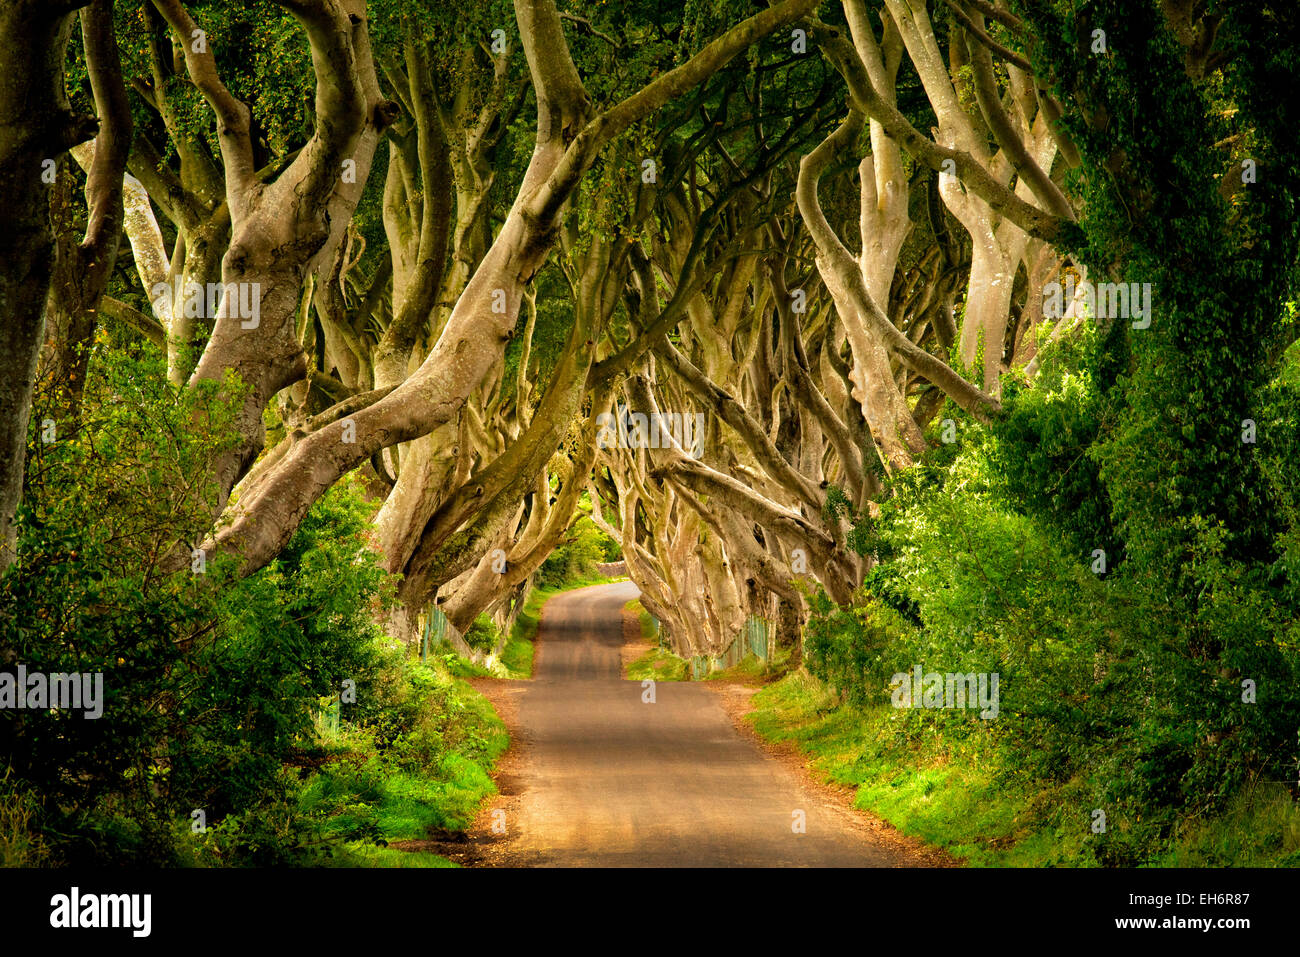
210	682
574	560
1135	698
483	633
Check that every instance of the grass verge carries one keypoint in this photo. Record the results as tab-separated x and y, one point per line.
657	664
429	781
753	670
952	792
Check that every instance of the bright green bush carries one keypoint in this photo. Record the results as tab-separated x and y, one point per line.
575	559
211	682
1109	684
482	633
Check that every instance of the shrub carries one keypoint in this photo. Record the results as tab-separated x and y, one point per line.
575	559
210	681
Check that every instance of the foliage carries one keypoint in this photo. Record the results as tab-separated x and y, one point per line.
1115	546
1104	685
575	559
482	633
212	683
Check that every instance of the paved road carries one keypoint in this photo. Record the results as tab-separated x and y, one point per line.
608	780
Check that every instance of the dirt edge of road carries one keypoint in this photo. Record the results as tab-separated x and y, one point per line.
482	844
634	645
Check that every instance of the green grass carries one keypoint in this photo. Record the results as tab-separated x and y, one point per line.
1261	828
657	664
518	653
460	667
649	630
21	843
950	790
436	783
412	805
943	792
660	665
359	854
752	668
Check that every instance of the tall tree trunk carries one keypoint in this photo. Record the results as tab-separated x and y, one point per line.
83	270
37	127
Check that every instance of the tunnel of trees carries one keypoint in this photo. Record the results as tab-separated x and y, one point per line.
957	332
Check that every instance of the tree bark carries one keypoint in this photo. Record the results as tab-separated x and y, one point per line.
37	127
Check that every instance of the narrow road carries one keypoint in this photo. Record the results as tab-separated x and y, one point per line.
606	779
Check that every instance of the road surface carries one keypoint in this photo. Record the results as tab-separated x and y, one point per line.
606	779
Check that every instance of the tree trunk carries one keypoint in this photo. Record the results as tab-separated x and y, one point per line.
37	127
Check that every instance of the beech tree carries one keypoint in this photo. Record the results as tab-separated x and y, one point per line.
825	231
